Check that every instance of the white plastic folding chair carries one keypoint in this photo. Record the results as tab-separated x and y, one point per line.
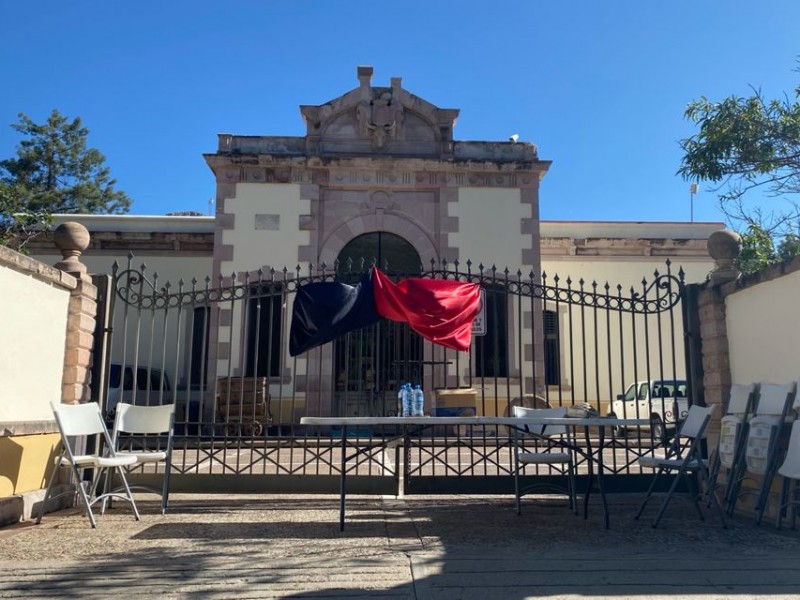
728	458
145	432
684	456
763	444
76	423
789	471
555	453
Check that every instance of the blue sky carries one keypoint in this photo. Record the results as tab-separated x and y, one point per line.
599	87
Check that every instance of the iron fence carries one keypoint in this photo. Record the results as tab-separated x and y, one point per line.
218	350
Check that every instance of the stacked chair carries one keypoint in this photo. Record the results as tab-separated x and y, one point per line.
732	438
789	471
762	447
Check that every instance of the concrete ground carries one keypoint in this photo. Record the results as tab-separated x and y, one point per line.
277	546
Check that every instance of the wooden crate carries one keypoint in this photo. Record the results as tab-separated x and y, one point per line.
238	385
242	412
242	397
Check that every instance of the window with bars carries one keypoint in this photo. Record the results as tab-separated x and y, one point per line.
264	331
552	352
491	350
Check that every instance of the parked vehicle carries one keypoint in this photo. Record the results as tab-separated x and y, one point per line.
663	402
152	387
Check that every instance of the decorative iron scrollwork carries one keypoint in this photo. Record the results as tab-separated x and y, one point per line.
660	294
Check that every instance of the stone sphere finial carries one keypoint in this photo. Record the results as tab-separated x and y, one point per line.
724	246
71	238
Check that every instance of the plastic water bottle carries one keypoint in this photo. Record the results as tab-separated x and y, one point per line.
419	402
408	400
400	391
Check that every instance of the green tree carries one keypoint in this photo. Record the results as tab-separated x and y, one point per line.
54	172
789	246
17	225
746	144
758	250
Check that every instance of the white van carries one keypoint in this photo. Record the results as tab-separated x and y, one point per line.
663	402
152	387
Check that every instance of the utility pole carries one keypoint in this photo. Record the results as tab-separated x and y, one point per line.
692	192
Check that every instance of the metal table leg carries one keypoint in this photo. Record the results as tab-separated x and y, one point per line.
590	480
601	487
342	486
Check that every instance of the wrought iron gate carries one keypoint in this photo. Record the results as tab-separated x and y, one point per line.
218	350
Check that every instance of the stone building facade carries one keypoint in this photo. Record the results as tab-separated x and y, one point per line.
379	176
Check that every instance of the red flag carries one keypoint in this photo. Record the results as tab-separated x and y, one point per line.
439	310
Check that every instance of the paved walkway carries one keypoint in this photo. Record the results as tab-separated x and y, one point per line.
439	548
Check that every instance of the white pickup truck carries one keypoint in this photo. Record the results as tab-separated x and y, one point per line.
663	402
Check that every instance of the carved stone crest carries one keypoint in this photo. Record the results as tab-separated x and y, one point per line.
380	119
379	200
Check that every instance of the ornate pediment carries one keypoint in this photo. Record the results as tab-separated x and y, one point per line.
379	120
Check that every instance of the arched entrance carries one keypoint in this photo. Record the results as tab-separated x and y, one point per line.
370	364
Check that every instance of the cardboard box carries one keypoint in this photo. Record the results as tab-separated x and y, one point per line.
456	398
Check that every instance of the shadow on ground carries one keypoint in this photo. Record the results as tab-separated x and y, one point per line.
418	547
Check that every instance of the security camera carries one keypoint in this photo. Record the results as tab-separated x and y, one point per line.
513	138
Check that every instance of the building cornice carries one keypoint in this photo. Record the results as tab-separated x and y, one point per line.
383	171
194	236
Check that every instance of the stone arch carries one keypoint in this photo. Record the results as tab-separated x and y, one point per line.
356	226
344	124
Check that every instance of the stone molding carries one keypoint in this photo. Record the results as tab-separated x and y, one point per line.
228	170
115	242
202	244
619	248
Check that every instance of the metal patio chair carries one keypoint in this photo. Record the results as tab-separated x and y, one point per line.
556	453
76	423
684	456
145	432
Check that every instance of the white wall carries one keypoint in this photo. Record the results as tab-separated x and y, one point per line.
255	207
266	233
33	317
482	235
763	323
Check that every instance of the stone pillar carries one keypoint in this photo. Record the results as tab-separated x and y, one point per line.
72	239
723	246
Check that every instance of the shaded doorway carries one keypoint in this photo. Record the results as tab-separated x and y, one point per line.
370	364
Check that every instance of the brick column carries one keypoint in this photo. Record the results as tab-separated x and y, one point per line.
72	239
723	246
714	336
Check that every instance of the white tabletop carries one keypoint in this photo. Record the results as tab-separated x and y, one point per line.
488	421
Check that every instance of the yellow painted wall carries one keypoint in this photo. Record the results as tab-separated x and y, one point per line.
627	272
26	461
